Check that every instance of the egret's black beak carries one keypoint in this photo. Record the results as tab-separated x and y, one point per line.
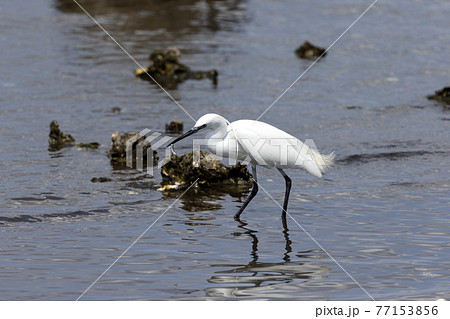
188	133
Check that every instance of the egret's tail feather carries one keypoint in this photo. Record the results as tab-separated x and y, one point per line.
328	159
323	161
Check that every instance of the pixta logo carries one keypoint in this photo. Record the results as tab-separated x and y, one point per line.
283	153
140	149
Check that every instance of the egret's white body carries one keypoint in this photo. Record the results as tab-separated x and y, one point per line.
264	144
260	144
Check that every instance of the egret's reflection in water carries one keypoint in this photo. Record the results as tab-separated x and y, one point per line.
257	278
200	199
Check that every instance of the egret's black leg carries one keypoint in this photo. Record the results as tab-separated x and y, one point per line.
284	222
252	194
288	190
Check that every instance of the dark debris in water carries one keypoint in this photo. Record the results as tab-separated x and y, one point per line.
442	95
100	179
116	110
309	51
174	127
354	107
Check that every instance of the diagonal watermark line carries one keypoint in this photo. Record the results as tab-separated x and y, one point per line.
321	247
312	64
137	239
134	60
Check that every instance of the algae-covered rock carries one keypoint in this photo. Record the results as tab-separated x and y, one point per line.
138	150
309	51
175	127
182	171
442	95
165	69
57	139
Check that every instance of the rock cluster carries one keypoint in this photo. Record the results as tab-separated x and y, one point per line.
138	150
167	71
182	171
57	139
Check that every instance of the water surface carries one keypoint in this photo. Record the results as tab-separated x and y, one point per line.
381	211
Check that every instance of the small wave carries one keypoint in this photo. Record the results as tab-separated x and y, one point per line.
391	156
19	219
38	198
42	217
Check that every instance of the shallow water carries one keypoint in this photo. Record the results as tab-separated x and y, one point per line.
381	212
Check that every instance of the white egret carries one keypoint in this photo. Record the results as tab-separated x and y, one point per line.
260	144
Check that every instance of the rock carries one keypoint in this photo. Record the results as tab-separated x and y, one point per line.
116	110
57	139
172	54
92	145
309	51
100	179
118	148
175	127
184	170
165	69
442	95
118	152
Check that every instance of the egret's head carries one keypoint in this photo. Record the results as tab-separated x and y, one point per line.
209	121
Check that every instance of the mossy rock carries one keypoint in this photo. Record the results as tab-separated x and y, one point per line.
167	71
174	127
57	139
118	151
442	95
309	51
207	168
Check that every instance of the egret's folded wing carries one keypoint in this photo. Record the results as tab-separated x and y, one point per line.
250	144
267	145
